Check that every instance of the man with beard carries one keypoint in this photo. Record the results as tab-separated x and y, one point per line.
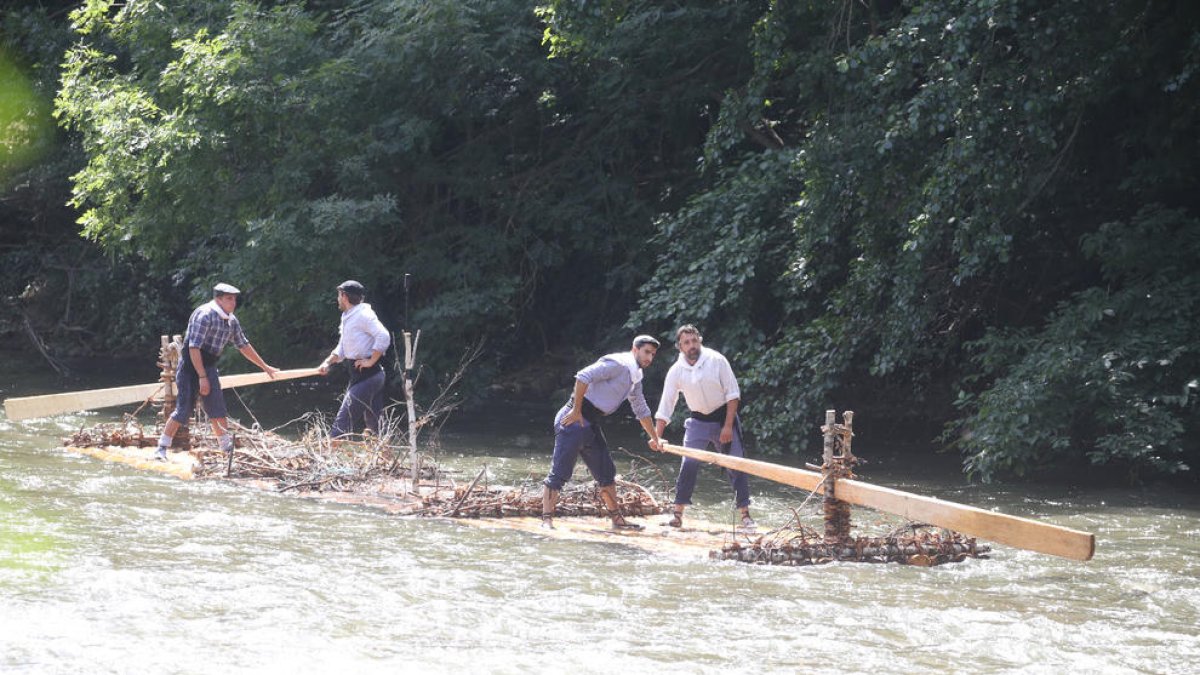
362	342
711	391
599	391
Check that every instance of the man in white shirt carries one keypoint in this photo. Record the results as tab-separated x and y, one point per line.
362	343
711	391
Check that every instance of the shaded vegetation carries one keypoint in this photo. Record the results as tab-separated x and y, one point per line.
973	218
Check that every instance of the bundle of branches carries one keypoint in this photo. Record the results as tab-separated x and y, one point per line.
316	462
797	544
474	501
127	433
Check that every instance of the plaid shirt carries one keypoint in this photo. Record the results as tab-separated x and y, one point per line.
210	332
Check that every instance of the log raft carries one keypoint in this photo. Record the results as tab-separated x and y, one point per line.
370	473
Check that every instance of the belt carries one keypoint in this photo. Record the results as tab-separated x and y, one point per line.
590	412
208	358
717	415
358	375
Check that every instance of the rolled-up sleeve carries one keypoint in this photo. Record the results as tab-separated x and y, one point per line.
381	338
637	401
599	371
728	382
197	330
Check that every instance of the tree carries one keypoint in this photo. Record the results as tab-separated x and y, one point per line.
941	177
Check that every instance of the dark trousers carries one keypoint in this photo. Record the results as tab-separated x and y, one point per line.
187	388
363	403
699	435
585	440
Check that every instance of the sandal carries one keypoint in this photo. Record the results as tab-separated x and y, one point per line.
622	524
675	521
748	524
547	522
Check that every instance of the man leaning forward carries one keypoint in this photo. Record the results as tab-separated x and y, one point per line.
599	391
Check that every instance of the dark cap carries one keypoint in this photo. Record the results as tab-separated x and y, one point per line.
644	340
352	287
224	289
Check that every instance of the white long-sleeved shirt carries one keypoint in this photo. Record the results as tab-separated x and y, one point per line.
361	333
707	384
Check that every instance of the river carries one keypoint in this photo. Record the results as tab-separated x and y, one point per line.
104	568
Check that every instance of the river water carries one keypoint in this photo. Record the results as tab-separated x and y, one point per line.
104	568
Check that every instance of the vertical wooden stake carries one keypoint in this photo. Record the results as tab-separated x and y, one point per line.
183	437
410	353
165	376
827	430
837	512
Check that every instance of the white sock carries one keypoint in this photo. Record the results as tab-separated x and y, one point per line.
165	441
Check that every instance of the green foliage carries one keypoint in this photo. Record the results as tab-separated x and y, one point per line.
1113	376
69	293
935	168
893	207
286	149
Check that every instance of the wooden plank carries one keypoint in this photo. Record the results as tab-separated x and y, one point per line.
246	379
695	540
22	408
182	465
998	527
27	407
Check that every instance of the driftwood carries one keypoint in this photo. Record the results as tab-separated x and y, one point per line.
915	544
526	501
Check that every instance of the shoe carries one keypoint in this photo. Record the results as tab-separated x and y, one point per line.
161	454
748	525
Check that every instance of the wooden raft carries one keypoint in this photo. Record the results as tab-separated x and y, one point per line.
181	465
698	539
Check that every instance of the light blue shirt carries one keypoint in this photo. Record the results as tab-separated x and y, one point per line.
361	333
613	379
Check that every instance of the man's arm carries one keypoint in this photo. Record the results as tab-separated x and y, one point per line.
733	396
381	339
252	356
667	402
369	361
637	401
576	412
655	442
333	358
198	364
731	408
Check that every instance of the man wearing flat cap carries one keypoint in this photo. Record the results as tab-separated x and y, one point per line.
362	342
211	327
599	391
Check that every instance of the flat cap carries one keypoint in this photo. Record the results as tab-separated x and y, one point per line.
644	340
352	286
225	289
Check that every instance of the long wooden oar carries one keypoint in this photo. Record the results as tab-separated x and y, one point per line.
52	404
1009	530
